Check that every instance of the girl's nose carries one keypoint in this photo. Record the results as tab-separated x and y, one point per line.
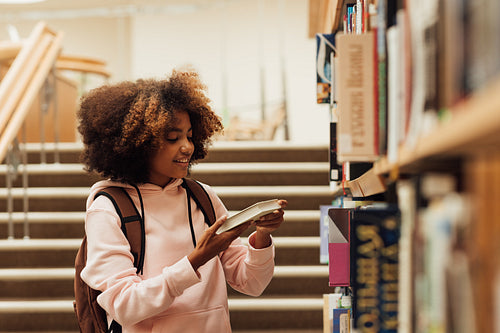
187	147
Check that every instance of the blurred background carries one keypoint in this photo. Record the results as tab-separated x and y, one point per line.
255	56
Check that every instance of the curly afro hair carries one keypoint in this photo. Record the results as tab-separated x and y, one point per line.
123	124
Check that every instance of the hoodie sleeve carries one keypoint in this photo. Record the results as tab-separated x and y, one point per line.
247	269
127	297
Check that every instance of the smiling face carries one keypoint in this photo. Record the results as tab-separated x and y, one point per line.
173	157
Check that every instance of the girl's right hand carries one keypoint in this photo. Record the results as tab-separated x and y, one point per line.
210	244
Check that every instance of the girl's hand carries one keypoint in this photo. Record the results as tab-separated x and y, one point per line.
268	224
210	244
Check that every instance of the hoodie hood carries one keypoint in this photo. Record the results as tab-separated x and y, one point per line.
146	188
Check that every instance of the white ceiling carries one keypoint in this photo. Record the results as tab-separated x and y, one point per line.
85	4
74	8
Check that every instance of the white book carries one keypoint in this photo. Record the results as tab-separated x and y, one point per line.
251	213
394	83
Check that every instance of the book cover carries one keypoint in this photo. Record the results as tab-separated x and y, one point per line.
341	321
330	302
369	183
338	247
324	220
356	131
374	266
251	213
325	46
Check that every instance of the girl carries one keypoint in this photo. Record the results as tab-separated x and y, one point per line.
144	136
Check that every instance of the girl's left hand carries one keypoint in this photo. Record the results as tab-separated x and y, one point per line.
272	221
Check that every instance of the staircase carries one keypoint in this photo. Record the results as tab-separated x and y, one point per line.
36	274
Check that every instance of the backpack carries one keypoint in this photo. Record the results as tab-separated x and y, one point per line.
91	317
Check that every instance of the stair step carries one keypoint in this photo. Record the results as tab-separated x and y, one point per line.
44	217
78	217
202	168
215	174
235	304
39	274
302	197
224	146
220	151
36	274
233	191
71	224
61	252
73	244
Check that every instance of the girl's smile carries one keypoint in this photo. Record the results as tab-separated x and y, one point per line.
173	158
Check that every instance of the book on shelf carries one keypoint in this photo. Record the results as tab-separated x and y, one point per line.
407	198
330	302
341	320
443	291
339	247
357	17
482	45
374	266
324	221
394	93
251	213
358	120
436	291
325	68
367	184
380	31
422	116
449	35
335	167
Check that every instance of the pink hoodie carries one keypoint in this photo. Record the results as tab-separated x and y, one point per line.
169	296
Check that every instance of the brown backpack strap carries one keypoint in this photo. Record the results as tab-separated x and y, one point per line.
132	223
202	199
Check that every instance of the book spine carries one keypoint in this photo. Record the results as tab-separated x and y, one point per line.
382	75
374	265
335	167
356	100
376	93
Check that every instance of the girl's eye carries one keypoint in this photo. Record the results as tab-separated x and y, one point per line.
172	140
190	138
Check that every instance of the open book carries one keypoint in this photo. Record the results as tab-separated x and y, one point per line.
251	213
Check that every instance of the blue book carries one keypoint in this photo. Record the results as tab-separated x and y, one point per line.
375	265
341	320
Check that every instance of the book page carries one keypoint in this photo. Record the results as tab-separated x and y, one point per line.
251	213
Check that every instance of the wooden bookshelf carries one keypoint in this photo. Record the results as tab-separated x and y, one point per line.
473	127
324	16
465	147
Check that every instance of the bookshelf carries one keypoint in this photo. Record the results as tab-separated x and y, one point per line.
473	127
324	16
465	144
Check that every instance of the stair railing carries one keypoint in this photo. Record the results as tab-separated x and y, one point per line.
33	67
27	74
